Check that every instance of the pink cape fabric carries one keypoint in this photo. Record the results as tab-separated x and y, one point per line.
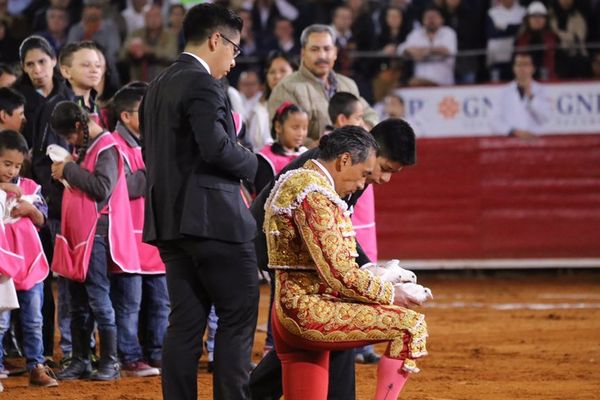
276	161
150	261
23	239
363	221
73	247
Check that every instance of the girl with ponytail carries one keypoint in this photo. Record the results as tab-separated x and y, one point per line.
96	236
289	129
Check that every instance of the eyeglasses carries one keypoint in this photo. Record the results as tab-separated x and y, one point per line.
237	50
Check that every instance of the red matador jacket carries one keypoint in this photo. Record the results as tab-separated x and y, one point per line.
321	294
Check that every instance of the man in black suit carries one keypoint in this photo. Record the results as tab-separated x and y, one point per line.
194	210
397	149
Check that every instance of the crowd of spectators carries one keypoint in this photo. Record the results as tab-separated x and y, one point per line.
382	44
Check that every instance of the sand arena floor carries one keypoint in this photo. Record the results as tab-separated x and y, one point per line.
492	337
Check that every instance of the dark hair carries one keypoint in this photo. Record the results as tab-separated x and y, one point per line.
174	6
7	69
433	8
282	113
66	54
521	53
35	42
274	55
10	100
348	139
63	122
11	140
396	140
203	20
125	99
341	103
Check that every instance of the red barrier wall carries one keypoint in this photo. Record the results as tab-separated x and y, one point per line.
494	197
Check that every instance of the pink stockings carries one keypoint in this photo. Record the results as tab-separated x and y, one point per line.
305	367
390	378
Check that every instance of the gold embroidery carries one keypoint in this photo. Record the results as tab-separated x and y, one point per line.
331	299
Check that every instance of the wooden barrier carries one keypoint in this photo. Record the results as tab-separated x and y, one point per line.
494	197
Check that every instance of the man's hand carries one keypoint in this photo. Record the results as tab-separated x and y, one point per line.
411	294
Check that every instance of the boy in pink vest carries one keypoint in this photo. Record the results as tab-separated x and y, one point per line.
96	233
127	290
25	213
346	109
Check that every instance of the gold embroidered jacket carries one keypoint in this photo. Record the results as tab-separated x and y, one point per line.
321	293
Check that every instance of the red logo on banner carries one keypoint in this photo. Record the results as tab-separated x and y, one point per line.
448	107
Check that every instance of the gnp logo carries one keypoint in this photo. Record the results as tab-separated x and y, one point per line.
449	107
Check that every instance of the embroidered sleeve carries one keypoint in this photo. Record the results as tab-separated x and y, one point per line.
321	223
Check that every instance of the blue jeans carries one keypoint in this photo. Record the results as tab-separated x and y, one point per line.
126	295
30	303
93	294
365	349
211	331
64	299
155	307
4	325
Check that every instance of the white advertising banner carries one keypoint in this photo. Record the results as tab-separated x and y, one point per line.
476	110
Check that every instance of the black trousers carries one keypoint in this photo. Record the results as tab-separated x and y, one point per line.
265	380
201	273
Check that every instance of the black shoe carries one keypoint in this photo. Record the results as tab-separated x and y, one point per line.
108	365
77	369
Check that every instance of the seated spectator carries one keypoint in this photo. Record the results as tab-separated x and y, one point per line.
8	76
433	49
501	27
285	40
9	47
570	25
248	39
134	15
57	25
341	23
523	106
393	107
463	17
40	19
249	86
149	50
596	66
393	31
278	66
94	26
266	12
175	23
536	33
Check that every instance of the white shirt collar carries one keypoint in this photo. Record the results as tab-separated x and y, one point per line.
201	61
327	174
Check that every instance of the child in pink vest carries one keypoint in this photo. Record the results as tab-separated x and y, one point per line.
96	230
22	256
289	129
127	290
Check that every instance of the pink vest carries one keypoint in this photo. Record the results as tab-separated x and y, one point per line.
276	161
23	239
11	264
73	247
363	221
150	261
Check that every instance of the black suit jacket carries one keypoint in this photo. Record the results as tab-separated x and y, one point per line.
194	163
258	211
